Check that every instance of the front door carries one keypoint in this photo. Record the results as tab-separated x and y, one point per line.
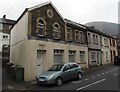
40	59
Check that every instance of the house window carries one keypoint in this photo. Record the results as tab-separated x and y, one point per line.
94	39
89	38
5	36
56	31
113	43
82	56
72	56
101	41
1	26
69	34
81	37
110	42
106	42
107	56
98	58
41	27
76	35
58	56
93	56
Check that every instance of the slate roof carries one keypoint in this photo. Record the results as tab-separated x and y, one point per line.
7	21
75	23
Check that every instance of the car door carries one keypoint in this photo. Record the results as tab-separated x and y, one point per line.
73	71
66	72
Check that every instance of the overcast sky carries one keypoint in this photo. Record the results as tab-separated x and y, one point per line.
81	11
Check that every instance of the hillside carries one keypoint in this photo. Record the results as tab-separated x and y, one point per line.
107	27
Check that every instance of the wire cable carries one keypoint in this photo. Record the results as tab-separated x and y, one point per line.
11	7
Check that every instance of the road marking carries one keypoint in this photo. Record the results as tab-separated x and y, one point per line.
115	74
92	77
76	81
86	79
90	84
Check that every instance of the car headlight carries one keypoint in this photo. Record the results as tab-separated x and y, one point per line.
49	77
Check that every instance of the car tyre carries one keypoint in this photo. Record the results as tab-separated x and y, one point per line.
79	76
58	81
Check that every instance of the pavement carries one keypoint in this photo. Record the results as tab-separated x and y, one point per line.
12	84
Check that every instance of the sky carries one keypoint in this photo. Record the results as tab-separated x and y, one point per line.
80	11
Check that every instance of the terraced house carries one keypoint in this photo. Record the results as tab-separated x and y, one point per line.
94	47
42	37
5	25
113	48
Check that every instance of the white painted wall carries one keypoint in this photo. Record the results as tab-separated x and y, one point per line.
94	45
18	39
104	50
31	55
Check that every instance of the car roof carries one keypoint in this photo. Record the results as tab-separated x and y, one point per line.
67	63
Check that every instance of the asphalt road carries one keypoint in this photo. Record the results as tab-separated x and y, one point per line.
107	78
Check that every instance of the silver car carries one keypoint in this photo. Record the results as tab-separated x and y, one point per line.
59	73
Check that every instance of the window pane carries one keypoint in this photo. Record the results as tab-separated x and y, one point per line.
82	55
71	58
41	27
56	31
58	58
40	30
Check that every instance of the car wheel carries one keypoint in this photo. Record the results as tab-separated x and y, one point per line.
59	81
79	76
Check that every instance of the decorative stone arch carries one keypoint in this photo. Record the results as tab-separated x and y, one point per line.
44	26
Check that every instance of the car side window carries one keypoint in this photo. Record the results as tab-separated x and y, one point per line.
67	67
73	66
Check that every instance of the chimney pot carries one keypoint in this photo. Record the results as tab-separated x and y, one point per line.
4	16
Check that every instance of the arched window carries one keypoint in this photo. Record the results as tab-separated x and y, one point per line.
41	27
56	31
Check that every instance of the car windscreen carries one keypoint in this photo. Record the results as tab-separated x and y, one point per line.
56	67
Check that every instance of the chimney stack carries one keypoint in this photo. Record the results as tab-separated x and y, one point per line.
4	16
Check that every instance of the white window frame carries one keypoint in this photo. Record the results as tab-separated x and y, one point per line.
42	26
72	53
92	57
56	30
82	54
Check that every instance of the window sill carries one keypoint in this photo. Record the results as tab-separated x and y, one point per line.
41	35
69	40
56	38
82	63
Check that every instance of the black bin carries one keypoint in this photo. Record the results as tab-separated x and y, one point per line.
9	66
19	73
12	71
